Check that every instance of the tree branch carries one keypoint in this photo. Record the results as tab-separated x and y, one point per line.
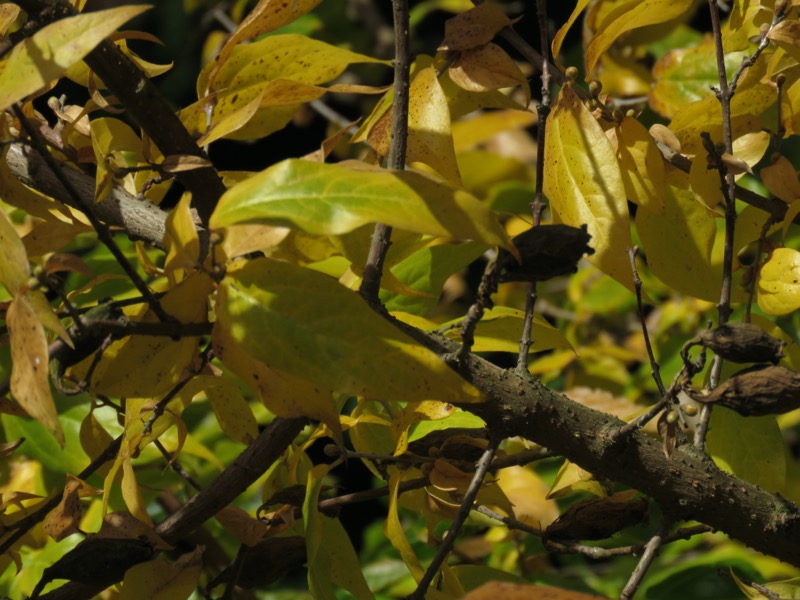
145	104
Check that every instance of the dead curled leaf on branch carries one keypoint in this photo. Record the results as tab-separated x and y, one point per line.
756	391
738	342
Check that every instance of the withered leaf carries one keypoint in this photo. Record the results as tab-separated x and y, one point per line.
597	518
547	251
756	391
741	343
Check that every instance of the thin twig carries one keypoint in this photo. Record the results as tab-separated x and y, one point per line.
648	556
381	237
596	552
655	368
461	516
509	522
100	228
729	194
176	466
486	289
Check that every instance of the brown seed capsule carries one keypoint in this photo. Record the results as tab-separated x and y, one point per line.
742	343
597	518
547	251
759	390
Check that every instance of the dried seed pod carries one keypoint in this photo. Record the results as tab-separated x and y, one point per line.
759	390
597	518
547	251
742	343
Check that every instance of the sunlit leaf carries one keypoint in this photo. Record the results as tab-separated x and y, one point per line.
46	55
561	34
328	199
628	16
266	16
267	307
30	384
778	288
584	185
528	493
233	414
641	165
181	239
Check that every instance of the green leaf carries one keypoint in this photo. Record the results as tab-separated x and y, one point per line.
328	199
750	448
426	271
583	182
36	61
304	322
501	327
331	557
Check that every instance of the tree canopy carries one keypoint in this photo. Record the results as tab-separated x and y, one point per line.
521	320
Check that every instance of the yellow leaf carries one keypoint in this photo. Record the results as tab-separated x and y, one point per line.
474	27
430	140
780	178
705	182
130	490
778	289
267	308
471	132
571	478
413	413
146	366
94	440
394	529
266	16
241	525
631	15
284	394
485	68
29	358
641	165
14	269
233	414
528	493
558	39
584	185
161	580
181	240
36	61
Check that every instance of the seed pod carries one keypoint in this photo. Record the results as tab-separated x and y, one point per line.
759	390
597	518
547	251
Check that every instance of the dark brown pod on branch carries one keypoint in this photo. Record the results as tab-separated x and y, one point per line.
741	343
598	518
547	251
759	390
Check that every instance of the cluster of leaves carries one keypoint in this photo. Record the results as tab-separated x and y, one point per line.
226	339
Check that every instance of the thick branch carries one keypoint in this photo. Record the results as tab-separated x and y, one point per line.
249	466
140	219
689	483
145	104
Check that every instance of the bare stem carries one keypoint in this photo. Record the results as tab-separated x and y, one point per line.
648	556
381	237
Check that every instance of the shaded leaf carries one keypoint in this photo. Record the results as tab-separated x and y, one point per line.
486	68
267	307
474	27
14	269
628	16
161	580
641	165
